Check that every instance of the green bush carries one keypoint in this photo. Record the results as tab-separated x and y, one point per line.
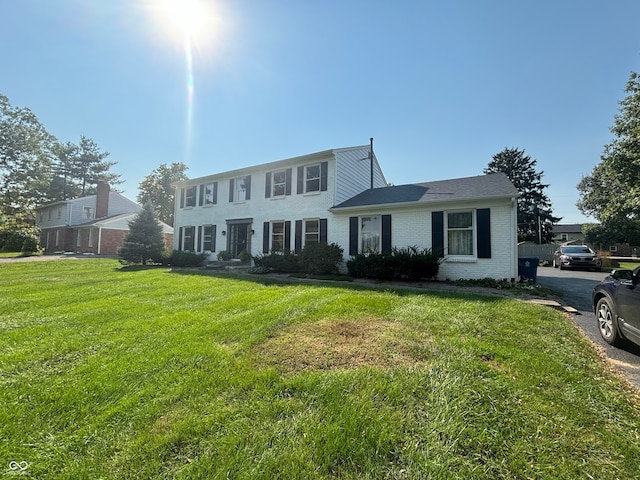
320	259
31	245
187	259
245	257
279	262
408	263
224	255
18	235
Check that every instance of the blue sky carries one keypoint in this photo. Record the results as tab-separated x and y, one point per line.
442	86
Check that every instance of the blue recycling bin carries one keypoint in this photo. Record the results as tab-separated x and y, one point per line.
528	269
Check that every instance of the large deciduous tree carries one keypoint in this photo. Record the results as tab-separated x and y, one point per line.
535	218
156	189
145	240
25	159
611	193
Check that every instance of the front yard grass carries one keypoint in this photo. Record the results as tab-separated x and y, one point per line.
151	373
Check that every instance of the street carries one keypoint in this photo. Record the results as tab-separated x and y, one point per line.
576	286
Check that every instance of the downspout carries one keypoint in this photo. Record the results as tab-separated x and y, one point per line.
99	239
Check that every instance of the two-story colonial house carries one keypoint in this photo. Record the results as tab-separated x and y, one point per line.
94	224
341	196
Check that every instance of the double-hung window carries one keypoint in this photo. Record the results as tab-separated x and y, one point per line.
370	234
207	238
88	213
190	196
209	193
460	233
311	232
279	183
312	178
239	189
187	239
277	236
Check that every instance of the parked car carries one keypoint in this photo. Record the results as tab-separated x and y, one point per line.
576	256
616	304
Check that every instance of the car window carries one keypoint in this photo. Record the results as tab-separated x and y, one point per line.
577	249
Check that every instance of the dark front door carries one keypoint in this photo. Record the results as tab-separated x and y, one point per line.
239	238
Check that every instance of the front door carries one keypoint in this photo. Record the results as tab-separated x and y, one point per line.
239	238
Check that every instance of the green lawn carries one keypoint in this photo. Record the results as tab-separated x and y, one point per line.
147	373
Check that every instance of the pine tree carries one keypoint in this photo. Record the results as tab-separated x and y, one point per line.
145	240
535	219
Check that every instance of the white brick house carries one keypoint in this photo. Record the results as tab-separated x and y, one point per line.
341	196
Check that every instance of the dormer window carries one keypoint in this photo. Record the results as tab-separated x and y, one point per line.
88	213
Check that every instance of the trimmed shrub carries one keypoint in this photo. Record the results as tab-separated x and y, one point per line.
224	255
278	262
408	263
187	259
30	245
320	259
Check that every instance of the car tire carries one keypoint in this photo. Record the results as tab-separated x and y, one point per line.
561	267
608	323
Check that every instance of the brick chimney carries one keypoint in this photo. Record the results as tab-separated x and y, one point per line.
102	202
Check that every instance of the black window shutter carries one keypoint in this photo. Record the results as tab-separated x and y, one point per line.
215	192
483	217
247	184
231	190
288	181
324	172
213	238
386	233
323	230
287	236
353	235
265	237
300	180
267	185
298	237
199	238
180	238
201	196
437	233
182	198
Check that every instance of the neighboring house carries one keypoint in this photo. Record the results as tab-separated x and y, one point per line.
341	196
92	224
571	232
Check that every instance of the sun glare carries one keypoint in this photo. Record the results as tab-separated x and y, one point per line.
187	14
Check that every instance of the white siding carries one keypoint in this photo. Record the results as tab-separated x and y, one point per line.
354	173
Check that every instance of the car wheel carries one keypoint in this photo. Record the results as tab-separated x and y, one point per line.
607	323
561	267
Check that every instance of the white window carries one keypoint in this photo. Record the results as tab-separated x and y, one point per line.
190	196
87	213
279	183
59	212
311	232
78	239
370	234
240	187
460	233
277	236
90	241
613	248
207	238
209	193
312	178
187	239
564	237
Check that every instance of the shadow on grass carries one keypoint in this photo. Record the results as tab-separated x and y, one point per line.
433	288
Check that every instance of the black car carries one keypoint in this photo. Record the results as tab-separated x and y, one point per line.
616	303
576	256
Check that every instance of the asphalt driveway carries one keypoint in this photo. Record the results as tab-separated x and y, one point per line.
576	287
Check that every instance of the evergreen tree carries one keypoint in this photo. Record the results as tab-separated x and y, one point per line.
611	193
535	218
156	189
145	240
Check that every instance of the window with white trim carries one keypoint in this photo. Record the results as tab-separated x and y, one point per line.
311	232
370	234
187	239
460	233
279	183
207	238
240	186
277	236
190	196
312	178
209	193
87	213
